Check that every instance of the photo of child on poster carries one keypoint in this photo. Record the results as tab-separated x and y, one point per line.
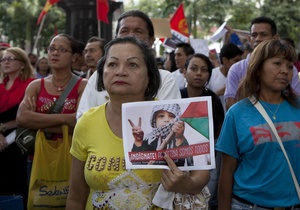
167	133
181	128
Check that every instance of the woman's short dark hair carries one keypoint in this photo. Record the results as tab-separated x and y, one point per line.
153	73
205	59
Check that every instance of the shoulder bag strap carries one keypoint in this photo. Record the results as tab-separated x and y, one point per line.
263	112
59	103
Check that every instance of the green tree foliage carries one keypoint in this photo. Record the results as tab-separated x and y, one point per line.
241	13
286	14
19	18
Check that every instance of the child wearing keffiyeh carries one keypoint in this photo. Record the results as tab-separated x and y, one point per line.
167	127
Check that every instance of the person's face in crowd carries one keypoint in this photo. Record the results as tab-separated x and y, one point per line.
60	54
125	71
276	74
33	59
11	64
163	118
260	32
92	54
197	73
137	27
43	65
180	58
227	63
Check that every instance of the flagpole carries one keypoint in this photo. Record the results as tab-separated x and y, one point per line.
38	35
99	29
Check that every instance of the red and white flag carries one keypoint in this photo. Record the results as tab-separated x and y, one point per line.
179	29
178	21
102	10
47	7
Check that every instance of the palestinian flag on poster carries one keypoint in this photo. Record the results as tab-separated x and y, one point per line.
196	115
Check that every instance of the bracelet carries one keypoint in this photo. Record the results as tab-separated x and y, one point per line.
2	127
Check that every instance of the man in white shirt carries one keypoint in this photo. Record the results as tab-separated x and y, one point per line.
138	24
182	52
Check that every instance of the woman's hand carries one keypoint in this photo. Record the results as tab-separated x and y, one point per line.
70	119
137	132
174	180
183	182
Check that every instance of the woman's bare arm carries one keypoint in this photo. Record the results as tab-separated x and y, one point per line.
79	190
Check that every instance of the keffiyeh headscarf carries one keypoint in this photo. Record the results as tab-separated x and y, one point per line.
164	130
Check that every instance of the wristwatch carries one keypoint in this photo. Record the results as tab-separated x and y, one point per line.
2	127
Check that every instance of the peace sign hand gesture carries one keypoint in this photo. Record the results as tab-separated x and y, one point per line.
137	132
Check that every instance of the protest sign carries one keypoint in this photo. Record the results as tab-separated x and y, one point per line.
181	128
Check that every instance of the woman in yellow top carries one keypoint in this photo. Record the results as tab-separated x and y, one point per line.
99	179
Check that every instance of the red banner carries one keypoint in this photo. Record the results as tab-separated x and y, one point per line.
102	10
178	21
48	5
174	153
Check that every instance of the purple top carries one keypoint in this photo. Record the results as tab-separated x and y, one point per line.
238	70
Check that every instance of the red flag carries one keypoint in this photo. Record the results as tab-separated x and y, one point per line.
178	21
102	10
48	5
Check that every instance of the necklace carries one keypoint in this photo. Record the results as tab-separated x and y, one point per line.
60	88
273	113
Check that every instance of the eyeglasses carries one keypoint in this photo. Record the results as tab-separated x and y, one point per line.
9	59
60	50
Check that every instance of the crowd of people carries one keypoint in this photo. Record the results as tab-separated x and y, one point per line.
252	171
